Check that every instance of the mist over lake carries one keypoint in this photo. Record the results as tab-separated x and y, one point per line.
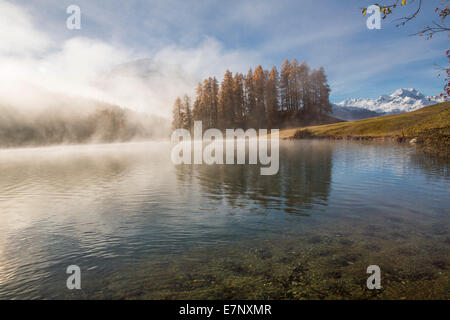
209	151
141	227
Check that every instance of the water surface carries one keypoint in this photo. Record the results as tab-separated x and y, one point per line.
140	227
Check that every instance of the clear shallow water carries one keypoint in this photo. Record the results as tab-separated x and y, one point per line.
140	227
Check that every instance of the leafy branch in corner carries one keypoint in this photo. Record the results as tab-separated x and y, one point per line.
427	32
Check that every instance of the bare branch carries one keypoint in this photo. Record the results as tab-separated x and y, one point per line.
429	31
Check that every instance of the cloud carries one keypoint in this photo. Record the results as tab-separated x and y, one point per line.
17	34
187	41
88	67
208	59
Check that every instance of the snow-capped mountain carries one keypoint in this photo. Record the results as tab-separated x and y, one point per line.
402	100
352	113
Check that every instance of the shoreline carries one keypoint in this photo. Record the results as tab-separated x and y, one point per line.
436	146
428	129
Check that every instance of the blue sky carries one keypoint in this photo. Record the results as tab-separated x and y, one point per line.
241	34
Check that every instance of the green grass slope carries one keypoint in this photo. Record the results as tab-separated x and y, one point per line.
430	126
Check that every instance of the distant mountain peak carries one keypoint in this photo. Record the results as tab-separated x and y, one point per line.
408	93
400	101
404	90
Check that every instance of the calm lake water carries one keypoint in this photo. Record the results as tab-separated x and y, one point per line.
140	227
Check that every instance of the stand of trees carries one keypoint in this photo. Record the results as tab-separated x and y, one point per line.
259	99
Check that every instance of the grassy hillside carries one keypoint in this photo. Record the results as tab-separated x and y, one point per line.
429	125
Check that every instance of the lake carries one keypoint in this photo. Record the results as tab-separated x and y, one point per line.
140	227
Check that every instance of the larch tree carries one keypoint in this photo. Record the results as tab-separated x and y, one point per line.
294	86
178	115
320	92
272	97
324	92
304	84
188	119
214	101
250	98
197	111
239	99
285	85
226	105
259	82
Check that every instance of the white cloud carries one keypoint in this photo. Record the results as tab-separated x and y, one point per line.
81	66
17	34
208	59
325	33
